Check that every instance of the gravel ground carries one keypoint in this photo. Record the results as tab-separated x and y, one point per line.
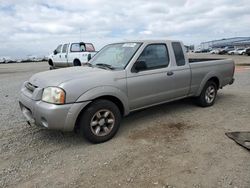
171	145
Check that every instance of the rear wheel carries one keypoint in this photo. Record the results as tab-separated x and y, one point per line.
76	62
208	95
100	121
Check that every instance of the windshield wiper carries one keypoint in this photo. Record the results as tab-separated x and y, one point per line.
105	66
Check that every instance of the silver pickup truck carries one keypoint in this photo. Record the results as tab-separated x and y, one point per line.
121	78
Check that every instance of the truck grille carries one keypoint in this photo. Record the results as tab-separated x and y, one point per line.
30	87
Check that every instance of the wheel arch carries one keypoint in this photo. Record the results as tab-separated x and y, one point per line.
209	77
76	62
216	81
105	92
111	98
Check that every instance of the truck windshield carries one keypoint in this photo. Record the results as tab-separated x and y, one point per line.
116	56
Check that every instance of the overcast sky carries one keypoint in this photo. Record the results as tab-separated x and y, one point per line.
36	27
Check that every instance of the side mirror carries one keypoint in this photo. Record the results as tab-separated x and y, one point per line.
89	57
55	52
140	66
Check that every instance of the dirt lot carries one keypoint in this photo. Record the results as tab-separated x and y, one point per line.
172	145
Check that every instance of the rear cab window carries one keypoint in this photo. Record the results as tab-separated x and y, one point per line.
155	56
178	53
77	47
82	47
89	47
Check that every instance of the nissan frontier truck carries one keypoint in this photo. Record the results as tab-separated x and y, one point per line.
121	78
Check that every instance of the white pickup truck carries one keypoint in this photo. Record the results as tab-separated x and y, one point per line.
71	54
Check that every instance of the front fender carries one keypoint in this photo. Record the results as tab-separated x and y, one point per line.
105	91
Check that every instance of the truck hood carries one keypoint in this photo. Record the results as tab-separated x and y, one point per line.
59	76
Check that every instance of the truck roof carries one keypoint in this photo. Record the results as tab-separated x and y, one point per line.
151	41
76	42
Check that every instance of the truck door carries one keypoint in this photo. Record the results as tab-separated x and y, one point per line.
83	53
57	55
181	72
74	52
150	85
91	50
64	56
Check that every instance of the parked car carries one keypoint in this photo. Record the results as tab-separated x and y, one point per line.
197	51
225	50
248	51
71	54
239	51
205	50
214	51
121	78
6	60
242	51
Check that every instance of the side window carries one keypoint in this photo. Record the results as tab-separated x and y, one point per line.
179	55
89	47
77	47
65	47
155	56
58	49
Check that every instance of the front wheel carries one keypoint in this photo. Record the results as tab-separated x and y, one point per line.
208	95
100	121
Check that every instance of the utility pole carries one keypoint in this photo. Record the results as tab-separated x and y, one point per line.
80	34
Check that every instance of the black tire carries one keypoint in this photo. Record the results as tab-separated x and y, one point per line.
202	100
89	115
77	62
50	62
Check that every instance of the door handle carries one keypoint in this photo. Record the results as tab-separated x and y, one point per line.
170	73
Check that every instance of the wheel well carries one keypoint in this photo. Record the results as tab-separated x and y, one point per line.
113	99
50	62
216	81
77	62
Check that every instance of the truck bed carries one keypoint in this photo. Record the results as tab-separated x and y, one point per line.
195	60
202	69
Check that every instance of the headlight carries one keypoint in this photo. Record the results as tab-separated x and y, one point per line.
53	95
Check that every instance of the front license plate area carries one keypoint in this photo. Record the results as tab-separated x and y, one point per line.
27	114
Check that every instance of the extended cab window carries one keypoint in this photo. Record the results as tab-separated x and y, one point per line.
178	53
155	56
89	47
65	47
77	47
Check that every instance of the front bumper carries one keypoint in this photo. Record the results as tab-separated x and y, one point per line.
51	116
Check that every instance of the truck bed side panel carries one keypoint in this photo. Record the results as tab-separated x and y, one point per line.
203	71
